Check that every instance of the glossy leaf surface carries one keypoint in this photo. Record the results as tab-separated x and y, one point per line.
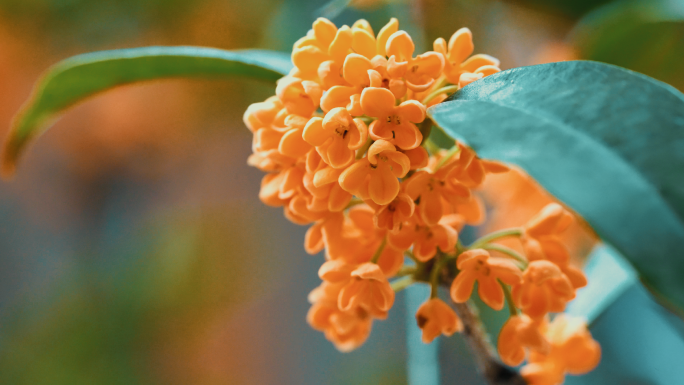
606	141
77	78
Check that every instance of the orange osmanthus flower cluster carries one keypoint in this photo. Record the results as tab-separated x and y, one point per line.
344	153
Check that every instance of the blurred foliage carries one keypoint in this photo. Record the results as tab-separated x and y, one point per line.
108	324
571	8
95	22
643	35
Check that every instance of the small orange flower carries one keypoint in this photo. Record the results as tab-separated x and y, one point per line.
353	241
518	333
418	156
367	239
541	240
321	181
358	73
318	235
380	77
368	289
477	265
425	238
435	317
395	124
300	97
544	289
573	351
347	330
471	170
267	114
336	136
292	144
420	72
433	191
279	187
391	216
336	271
375	177
455	54
552	220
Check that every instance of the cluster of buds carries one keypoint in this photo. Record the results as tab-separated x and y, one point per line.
344	144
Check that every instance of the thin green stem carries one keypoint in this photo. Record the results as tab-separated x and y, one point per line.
406	270
436	269
509	299
431	146
366	119
409	254
453	151
514	232
376	256
354	202
402	283
437	92
362	150
460	247
508	251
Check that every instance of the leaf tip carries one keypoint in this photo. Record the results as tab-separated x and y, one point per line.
8	168
10	154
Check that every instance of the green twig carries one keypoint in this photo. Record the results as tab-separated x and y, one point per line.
362	150
402	283
514	232
376	256
507	251
453	151
406	270
437	92
409	254
509	299
431	146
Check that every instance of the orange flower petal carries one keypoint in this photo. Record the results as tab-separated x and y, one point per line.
363	42
355	176
460	46
314	133
293	145
338	199
462	287
337	96
339	155
355	70
418	157
340	46
324	30
491	293
411	110
378	147
384	34
400	45
477	61
377	102
383	188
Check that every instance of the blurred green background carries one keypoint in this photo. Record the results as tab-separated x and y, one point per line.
133	247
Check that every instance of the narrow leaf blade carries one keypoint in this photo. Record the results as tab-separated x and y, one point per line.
77	78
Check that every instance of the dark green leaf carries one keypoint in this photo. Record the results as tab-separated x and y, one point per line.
644	35
77	78
606	141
